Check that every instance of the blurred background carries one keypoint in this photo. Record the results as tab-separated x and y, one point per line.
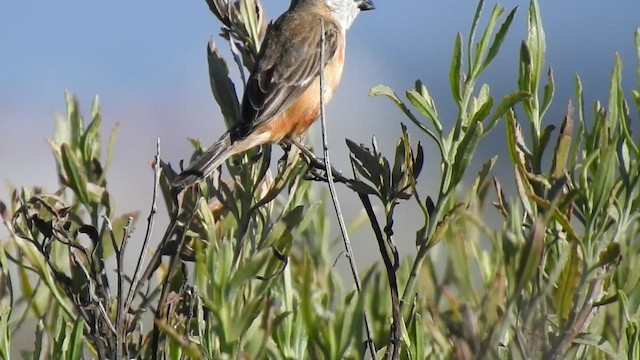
147	60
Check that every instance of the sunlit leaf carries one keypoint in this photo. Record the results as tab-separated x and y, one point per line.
561	152
531	255
498	39
76	177
222	87
455	70
568	283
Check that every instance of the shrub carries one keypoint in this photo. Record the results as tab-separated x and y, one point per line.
249	276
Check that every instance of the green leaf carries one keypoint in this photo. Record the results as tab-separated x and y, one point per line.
632	337
383	90
536	42
27	291
481	46
556	214
284	177
417	336
482	175
370	164
39	341
283	228
362	187
77	335
579	134
95	106
505	105
222	87
549	90
465	151
610	256
441	228
76	178
616	95
202	276
525	68
485	106
74	119
545	137
248	12
417	162
597	342
498	39
62	130
108	203
567	286
90	142
187	346
604	177
250	314
60	344
425	105
472	30
399	162
248	270
561	153
424	92
531	255
514	136
6	303
618	112
110	146
455	71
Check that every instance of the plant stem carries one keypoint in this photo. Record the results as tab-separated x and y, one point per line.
334	196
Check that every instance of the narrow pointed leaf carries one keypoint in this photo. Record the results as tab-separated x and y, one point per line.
223	89
76	178
531	256
561	153
568	282
498	39
505	104
455	70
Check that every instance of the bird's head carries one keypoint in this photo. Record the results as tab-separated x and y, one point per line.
346	11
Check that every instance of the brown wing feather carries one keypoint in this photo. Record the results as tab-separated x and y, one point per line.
288	63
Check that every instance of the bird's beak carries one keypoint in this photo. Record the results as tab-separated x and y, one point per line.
366	5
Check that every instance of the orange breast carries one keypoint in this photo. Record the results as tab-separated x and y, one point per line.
306	109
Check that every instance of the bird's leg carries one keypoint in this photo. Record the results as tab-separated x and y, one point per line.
285	145
317	169
309	156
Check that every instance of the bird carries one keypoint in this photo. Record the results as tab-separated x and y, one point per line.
282	94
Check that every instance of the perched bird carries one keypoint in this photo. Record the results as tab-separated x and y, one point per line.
282	96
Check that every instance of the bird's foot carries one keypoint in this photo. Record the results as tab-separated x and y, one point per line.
317	170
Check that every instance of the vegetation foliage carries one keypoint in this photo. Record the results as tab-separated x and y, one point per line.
248	270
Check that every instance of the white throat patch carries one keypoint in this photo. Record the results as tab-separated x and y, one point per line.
345	11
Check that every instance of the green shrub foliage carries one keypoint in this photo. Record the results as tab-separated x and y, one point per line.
246	276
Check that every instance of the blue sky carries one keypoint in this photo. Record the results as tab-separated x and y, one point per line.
147	61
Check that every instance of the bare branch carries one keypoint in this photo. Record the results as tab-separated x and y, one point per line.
334	196
135	282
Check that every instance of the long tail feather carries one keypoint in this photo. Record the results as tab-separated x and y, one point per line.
215	156
205	164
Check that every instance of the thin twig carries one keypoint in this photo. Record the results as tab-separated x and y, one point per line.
175	259
393	350
155	260
92	294
120	328
135	281
334	196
